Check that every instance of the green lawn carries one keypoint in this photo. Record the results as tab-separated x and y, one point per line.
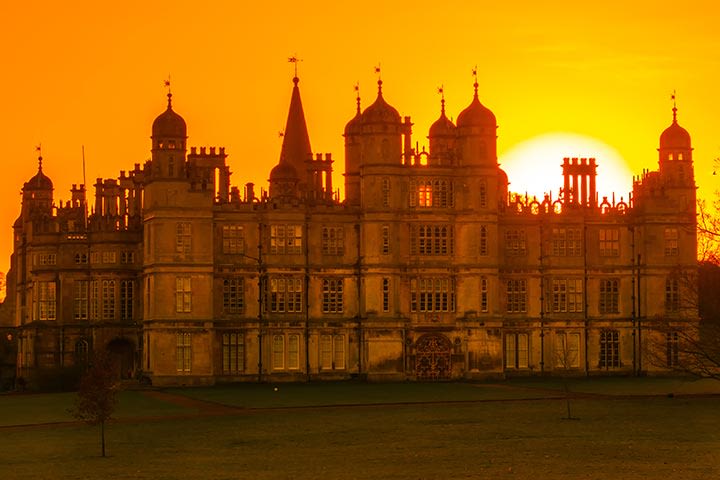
43	408
615	438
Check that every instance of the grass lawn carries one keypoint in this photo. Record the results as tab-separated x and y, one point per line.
625	438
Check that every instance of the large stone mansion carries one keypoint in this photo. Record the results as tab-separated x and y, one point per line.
429	269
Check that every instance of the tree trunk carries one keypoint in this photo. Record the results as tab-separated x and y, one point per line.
102	437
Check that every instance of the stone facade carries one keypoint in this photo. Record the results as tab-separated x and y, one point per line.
429	269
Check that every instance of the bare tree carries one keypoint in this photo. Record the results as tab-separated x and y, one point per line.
567	351
687	340
97	396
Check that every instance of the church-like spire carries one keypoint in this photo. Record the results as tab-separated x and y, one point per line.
296	140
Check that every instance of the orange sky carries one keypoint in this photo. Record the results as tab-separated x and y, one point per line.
92	75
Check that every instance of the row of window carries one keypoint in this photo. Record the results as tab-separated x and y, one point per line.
92	300
81	258
285	352
567	350
435	239
99	299
566	296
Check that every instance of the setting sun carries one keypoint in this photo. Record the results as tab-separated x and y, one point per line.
535	165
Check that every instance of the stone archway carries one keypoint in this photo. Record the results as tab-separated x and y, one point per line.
433	357
122	351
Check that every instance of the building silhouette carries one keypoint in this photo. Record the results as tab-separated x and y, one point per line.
428	269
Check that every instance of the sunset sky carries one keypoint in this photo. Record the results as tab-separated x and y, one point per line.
82	73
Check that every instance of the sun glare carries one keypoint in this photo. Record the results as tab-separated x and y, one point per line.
535	165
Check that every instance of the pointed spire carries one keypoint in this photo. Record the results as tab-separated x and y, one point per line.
357	96
674	110
39	150
475	84
296	140
441	91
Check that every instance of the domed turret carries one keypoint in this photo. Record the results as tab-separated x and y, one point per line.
476	132
380	111
169	124
675	154
675	136
476	114
442	138
40	181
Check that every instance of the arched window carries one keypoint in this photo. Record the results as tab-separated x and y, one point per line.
81	352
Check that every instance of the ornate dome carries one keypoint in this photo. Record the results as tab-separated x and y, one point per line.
675	136
442	127
169	124
40	181
283	172
380	111
476	114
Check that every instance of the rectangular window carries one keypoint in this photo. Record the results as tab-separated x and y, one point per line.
566	242
183	295
127	257
386	192
47	259
46	301
127	296
517	353
80	307
94	258
609	349
672	349
293	360
431	193
516	295
233	347
183	352
484	295
183	238
285	294
332	352
332	295
278	352
386	239
386	294
233	296
286	239
431	240
109	257
233	239
567	350
672	295
108	299
483	250
483	194
671	242
94	299
81	258
567	295
609	242
432	294
609	296
333	242
515	245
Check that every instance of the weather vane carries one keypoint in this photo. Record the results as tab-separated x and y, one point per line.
167	84
441	91
294	60
357	95
377	70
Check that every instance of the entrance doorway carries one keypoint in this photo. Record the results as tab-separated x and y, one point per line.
122	352
433	357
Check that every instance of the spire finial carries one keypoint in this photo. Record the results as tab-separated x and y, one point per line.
475	84
441	91
674	107
357	96
294	60
169	94
39	150
379	82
